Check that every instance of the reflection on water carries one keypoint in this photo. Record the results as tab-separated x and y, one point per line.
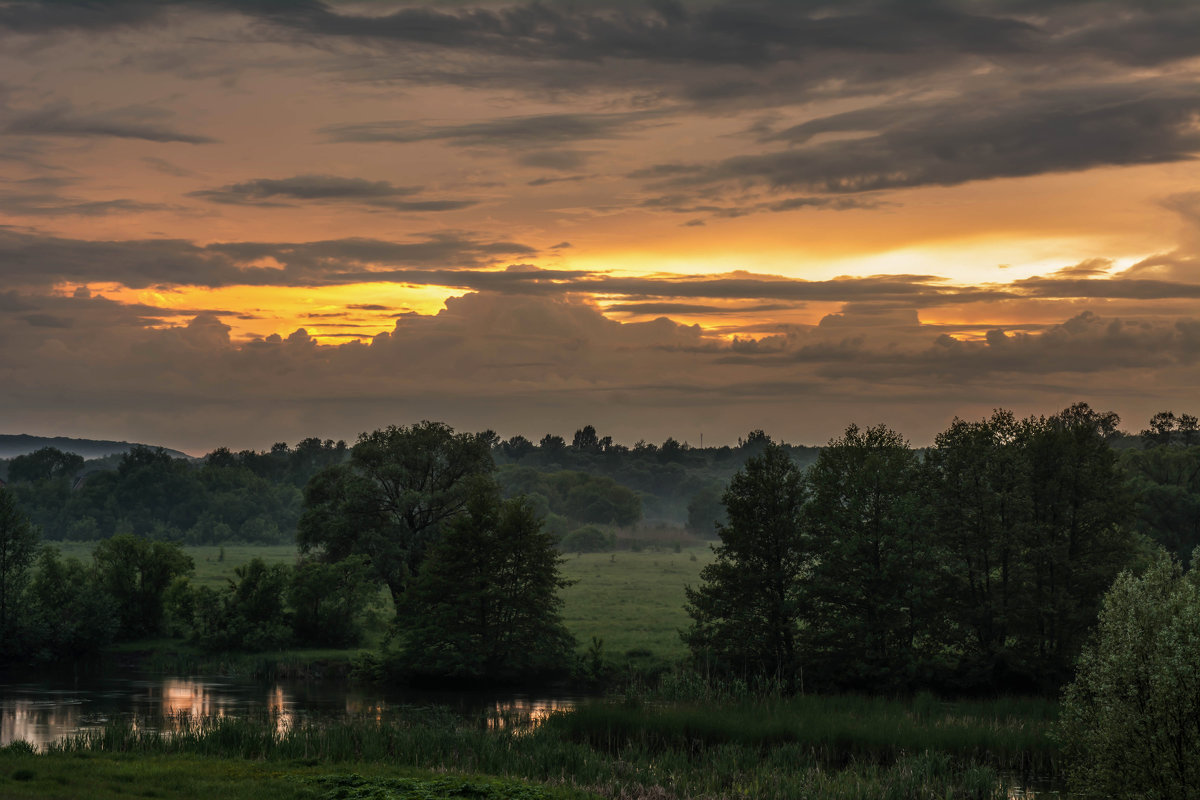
524	713
1029	788
42	713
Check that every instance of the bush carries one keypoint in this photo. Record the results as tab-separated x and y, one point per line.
588	540
1129	719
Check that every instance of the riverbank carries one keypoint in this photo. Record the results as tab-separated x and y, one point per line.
835	748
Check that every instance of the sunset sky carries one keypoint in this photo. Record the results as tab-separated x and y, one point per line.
237	223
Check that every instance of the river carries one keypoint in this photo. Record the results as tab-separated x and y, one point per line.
42	712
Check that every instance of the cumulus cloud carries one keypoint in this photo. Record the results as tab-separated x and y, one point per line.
538	360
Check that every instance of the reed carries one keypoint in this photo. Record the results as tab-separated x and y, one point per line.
830	747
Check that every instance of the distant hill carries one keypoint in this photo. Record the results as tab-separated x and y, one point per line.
13	445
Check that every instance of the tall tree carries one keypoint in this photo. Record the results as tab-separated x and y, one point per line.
18	548
388	503
872	586
746	613
485	605
978	483
1079	536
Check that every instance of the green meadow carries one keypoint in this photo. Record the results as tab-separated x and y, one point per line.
632	601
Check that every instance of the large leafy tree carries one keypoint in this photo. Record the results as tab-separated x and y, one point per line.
389	502
18	548
136	572
978	483
872	588
1131	719
1078	538
746	613
485	605
44	464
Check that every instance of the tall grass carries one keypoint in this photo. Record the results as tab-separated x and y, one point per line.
843	747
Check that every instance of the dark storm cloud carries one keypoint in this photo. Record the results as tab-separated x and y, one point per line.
956	141
128	123
742	33
696	308
463	261
31	259
46	17
18	203
327	189
1086	343
537	130
683	204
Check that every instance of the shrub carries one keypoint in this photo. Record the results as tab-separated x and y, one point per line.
588	540
1129	719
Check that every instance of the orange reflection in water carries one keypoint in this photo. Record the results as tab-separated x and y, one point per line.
38	722
524	715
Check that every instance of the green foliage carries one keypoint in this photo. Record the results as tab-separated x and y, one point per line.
486	606
842	748
46	464
328	600
578	496
869	590
1079	538
746	614
135	573
977	479
1130	718
18	547
101	775
71	615
1165	483
588	539
356	787
390	501
248	615
705	511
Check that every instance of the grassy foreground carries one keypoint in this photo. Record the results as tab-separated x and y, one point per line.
113	776
770	749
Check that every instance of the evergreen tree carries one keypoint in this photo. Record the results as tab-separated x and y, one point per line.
746	614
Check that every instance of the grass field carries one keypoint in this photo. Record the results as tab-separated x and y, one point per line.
184	777
633	601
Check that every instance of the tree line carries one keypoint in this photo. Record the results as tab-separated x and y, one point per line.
979	566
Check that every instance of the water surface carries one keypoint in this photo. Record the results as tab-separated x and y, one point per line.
41	712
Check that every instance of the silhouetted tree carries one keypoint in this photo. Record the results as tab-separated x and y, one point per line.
1162	425
18	548
136	572
390	500
552	444
977	478
871	589
45	464
486	603
746	613
586	440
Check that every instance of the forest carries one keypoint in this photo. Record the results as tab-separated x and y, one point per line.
985	565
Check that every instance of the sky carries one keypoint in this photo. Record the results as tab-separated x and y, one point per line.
239	223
